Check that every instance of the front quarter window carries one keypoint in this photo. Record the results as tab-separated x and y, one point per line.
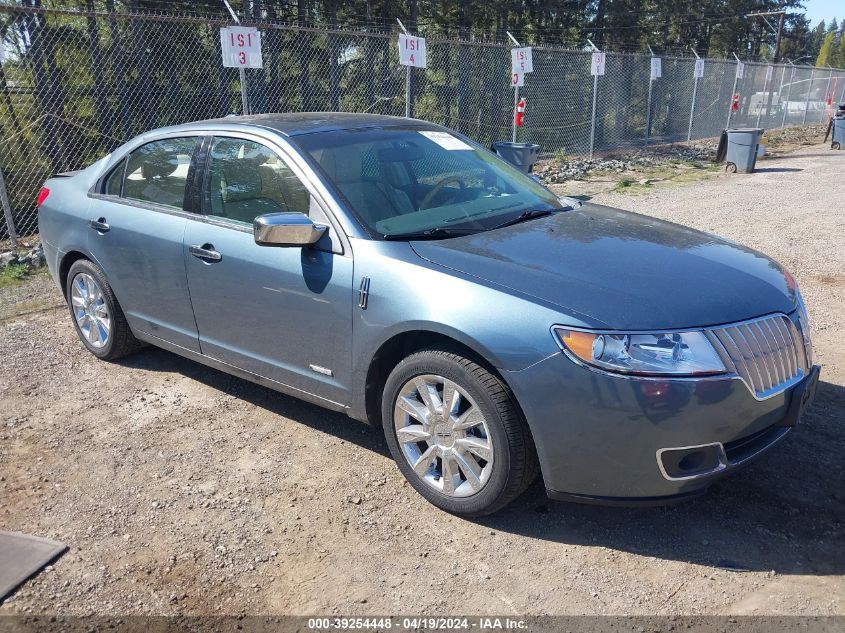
247	179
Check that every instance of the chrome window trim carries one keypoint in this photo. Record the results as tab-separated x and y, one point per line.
305	175
267	137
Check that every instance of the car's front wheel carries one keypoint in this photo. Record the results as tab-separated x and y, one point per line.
456	433
96	314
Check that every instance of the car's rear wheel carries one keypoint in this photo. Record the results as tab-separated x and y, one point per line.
456	433
97	316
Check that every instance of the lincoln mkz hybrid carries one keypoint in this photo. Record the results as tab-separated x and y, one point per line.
399	272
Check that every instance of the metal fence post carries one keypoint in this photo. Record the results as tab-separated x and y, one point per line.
7	211
515	93
648	106
694	95
765	90
593	117
733	92
827	93
807	102
780	90
241	71
788	93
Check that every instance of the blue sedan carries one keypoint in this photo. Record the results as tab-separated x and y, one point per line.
397	271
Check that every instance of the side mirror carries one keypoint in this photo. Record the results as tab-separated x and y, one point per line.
286	229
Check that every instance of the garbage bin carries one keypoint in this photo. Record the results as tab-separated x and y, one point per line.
521	155
838	124
743	148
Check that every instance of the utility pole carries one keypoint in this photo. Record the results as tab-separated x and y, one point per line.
779	32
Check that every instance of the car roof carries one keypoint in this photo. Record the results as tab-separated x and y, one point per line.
299	123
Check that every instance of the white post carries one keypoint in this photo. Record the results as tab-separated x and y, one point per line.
780	90
807	102
7	212
515	93
827	93
765	90
788	94
694	95
733	92
648	106
241	71
595	95
407	78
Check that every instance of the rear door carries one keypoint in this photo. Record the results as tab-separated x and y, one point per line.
137	222
280	312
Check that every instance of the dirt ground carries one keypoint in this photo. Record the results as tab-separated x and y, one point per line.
182	490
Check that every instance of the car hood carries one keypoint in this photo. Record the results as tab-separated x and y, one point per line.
614	269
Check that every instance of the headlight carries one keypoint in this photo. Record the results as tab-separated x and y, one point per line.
804	323
654	354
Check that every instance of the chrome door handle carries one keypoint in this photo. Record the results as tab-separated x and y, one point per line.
205	252
99	225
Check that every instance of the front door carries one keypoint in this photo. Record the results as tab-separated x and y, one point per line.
137	222
280	312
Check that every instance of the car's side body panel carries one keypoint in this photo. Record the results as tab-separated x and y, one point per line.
407	294
283	313
143	257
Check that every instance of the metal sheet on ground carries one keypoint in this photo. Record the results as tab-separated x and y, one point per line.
22	556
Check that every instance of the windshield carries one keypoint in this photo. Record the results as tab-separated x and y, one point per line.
403	181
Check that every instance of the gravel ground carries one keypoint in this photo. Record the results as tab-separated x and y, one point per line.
182	490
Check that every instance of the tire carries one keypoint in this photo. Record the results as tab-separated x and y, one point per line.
477	486
834	145
89	291
730	168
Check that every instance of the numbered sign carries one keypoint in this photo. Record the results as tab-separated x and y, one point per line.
769	70
521	60
656	68
597	64
740	70
699	68
241	47
412	51
517	79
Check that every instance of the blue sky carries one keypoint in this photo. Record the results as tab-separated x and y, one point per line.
818	10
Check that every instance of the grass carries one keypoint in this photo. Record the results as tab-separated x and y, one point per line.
13	275
666	175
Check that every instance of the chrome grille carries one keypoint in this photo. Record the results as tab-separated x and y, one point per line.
767	353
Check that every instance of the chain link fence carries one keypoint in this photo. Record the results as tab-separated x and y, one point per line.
75	85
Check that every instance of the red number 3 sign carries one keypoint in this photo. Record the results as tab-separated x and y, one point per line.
241	47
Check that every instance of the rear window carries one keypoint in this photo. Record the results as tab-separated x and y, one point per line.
158	172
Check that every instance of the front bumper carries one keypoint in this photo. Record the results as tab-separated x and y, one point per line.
613	439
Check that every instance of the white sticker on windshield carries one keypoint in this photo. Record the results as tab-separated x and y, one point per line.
445	140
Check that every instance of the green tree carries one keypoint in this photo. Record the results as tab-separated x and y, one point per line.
826	51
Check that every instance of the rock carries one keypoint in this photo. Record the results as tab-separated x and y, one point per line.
7	259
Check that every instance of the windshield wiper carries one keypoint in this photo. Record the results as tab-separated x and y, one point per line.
522	217
429	234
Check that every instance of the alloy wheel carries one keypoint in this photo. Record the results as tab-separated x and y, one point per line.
90	310
443	435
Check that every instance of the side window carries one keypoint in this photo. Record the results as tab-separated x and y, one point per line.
114	180
247	179
158	171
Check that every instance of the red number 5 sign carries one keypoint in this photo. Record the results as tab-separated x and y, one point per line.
241	47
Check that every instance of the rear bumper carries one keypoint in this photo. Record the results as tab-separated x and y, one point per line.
620	441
